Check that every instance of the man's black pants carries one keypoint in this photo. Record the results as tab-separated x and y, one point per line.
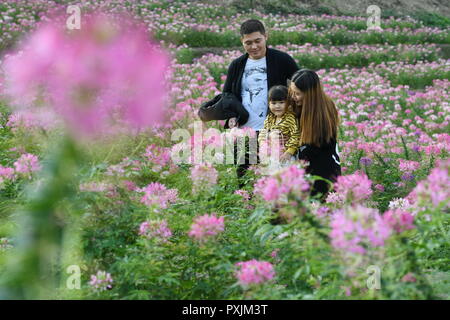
245	159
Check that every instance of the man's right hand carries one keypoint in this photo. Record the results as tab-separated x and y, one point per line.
232	122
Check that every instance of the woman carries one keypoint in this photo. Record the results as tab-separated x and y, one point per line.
318	121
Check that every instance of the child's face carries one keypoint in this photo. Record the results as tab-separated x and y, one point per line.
278	108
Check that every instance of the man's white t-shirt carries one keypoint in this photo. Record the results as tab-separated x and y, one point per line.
254	92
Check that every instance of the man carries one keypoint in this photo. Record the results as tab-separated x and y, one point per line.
251	75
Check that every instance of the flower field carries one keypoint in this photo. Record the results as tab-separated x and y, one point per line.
93	204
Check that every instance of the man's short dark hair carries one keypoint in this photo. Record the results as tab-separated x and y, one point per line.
251	26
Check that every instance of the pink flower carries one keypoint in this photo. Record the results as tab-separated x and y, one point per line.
408	166
290	180
40	118
206	226
274	253
254	272
159	157
322	211
268	188
27	164
348	291
157	229
124	168
399	220
157	194
354	187
5	174
336	198
101	281
354	229
94	186
435	187
409	277
244	194
204	177
106	72
129	185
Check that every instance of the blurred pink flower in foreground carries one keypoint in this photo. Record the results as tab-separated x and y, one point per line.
105	72
399	220
434	189
354	187
254	272
355	229
206	226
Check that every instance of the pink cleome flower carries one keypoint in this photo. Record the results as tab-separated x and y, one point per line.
354	187
399	220
288	180
157	229
409	277
101	281
354	229
6	174
203	176
159	157
408	166
254	272
92	77
27	164
243	193
206	227
435	187
157	194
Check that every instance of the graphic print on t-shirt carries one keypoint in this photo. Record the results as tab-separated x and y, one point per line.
255	77
254	92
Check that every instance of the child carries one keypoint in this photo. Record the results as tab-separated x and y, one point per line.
319	120
282	123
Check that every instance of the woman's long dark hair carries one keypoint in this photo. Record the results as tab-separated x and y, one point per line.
318	116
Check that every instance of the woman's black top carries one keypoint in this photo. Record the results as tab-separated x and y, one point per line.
323	161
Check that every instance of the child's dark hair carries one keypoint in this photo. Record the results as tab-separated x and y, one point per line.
251	26
278	93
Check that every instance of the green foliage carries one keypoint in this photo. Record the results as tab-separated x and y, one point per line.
194	38
322	10
186	55
432	19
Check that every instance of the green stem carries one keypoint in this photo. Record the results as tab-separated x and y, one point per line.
412	259
33	265
138	146
405	148
380	159
367	171
358	165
